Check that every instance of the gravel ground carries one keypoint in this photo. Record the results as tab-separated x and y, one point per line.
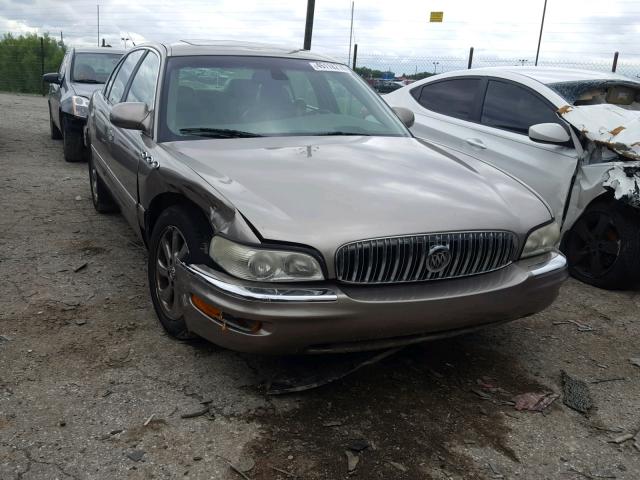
89	382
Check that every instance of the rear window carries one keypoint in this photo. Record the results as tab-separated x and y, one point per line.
455	98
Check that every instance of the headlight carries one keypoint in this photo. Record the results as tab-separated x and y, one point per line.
80	106
264	265
541	240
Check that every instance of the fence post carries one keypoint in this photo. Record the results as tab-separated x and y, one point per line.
470	57
355	55
615	62
42	65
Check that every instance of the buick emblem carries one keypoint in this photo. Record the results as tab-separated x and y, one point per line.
438	259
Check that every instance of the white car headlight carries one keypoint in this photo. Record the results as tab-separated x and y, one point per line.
80	106
263	264
542	240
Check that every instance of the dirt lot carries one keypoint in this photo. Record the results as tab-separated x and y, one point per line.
89	382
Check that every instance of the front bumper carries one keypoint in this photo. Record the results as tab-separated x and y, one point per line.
329	317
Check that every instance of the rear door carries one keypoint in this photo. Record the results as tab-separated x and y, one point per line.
132	150
108	164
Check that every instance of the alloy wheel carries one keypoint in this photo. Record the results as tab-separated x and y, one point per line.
594	245
172	249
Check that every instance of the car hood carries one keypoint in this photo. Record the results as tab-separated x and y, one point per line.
86	89
326	191
605	124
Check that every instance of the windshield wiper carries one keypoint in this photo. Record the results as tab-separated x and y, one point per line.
218	132
88	80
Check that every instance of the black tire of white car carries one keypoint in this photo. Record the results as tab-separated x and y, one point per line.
72	143
191	228
55	131
603	246
100	195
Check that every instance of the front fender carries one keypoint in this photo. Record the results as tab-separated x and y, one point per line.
173	178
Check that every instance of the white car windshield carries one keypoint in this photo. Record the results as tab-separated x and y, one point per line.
229	97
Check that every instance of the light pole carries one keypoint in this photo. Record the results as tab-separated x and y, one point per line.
523	61
544	11
435	66
125	40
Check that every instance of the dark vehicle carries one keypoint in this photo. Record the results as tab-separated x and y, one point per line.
82	71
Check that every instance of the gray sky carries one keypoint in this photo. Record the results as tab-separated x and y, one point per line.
396	33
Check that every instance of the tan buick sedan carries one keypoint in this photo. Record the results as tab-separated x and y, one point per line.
287	208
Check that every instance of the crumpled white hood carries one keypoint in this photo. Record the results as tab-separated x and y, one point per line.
615	127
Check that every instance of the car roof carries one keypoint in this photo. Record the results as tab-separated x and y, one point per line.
546	75
229	47
98	50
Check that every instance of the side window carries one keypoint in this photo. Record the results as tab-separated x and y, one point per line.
454	98
109	83
122	77
65	62
511	107
143	87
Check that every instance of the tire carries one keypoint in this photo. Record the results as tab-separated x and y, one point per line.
177	226
100	195
72	143
603	246
56	134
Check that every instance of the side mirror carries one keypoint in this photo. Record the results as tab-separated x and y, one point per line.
52	78
131	115
548	133
406	115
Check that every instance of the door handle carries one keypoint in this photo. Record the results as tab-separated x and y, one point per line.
476	142
148	159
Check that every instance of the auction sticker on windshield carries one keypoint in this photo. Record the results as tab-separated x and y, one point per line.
328	67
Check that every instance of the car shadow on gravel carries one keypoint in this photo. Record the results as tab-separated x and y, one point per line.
410	415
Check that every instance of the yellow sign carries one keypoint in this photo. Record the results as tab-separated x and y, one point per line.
436	16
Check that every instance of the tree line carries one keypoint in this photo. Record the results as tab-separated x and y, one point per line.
21	60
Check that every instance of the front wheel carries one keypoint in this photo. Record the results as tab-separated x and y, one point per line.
603	246
179	235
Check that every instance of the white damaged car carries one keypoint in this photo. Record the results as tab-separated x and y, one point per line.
572	135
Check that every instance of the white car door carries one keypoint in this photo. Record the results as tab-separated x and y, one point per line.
489	119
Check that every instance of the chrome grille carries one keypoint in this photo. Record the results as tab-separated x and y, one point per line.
404	259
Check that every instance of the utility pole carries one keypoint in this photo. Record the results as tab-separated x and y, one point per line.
61	38
544	11
308	28
98	9
350	34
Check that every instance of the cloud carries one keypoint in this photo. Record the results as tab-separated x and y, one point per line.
387	32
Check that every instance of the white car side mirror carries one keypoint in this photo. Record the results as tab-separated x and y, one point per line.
405	115
548	133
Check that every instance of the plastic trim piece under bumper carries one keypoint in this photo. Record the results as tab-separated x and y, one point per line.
264	294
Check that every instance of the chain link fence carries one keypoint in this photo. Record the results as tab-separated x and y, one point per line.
24	59
380	68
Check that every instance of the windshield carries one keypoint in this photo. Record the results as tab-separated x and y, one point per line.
93	67
229	97
595	92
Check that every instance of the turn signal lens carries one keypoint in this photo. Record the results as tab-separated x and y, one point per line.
206	308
